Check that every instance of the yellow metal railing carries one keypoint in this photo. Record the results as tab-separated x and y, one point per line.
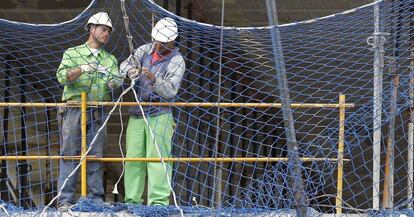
341	141
84	104
179	104
84	120
169	159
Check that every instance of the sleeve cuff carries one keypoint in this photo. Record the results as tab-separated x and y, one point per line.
156	82
63	78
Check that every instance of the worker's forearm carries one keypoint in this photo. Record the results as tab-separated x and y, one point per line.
74	74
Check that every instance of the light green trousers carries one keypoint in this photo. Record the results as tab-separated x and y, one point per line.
140	144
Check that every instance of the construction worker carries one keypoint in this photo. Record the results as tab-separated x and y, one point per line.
86	68
158	68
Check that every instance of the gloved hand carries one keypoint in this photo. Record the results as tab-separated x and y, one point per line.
133	73
102	69
88	68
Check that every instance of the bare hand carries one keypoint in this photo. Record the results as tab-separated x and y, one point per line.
150	75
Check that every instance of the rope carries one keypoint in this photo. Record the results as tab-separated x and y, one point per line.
159	154
218	108
115	191
3	207
131	48
89	149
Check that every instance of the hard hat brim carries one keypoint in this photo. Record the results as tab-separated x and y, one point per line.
87	26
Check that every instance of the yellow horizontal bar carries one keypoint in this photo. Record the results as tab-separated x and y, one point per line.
31	104
208	159
179	104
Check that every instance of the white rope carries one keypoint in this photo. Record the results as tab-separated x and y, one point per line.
131	48
199	23
90	147
261	27
115	191
3	207
52	24
70	211
94	139
126	22
159	154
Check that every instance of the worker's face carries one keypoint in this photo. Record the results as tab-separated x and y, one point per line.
161	47
101	33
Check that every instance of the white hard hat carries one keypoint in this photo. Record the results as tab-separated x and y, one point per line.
165	30
100	18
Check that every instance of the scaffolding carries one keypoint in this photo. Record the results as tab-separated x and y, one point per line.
84	104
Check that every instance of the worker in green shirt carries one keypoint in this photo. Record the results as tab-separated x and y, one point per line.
86	68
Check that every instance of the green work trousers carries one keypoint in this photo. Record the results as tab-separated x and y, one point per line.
141	144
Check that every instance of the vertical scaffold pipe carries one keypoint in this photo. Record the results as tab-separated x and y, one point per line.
341	144
410	152
216	196
293	148
83	147
388	193
378	44
397	20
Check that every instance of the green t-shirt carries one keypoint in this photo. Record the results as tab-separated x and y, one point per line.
95	84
